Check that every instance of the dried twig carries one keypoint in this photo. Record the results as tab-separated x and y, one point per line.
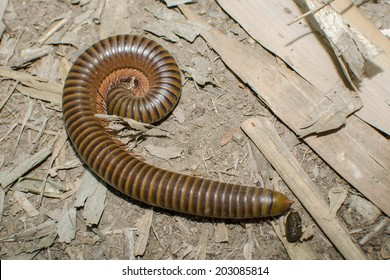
57	25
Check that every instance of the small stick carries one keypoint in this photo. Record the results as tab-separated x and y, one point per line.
35	128
310	12
53	28
25	120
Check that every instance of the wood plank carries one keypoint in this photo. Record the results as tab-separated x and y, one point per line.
356	159
306	52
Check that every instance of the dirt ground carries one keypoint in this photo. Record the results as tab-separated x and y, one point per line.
211	108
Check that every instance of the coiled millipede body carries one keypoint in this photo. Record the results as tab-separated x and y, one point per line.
98	82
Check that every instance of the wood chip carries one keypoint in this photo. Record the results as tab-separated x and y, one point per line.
41	243
8	177
46	228
74	253
27	56
144	225
129	243
51	97
27	115
66	225
57	25
346	41
136	125
27	206
201	249
178	113
182	225
31	81
112	20
249	245
85	190
2	28
33	185
92	195
200	71
164	152
95	204
221	233
308	232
